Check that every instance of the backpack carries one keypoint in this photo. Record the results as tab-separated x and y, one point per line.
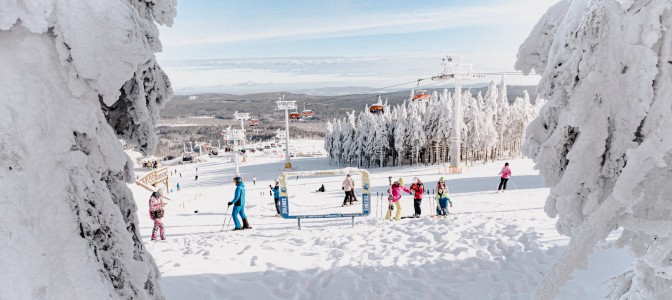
158	214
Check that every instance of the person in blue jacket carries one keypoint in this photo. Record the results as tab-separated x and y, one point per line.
238	203
276	196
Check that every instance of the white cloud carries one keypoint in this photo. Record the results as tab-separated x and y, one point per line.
509	12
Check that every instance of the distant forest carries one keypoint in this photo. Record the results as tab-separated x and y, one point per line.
262	106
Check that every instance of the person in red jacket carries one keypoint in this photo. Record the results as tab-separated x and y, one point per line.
418	189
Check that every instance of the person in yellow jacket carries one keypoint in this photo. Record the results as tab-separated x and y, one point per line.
395	195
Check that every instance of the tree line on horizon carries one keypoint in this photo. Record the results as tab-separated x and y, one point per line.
420	133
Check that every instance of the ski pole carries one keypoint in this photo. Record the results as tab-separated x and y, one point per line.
514	185
225	214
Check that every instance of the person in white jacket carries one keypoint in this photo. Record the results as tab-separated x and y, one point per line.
349	189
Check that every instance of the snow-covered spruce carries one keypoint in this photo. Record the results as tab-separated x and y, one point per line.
418	133
76	77
602	141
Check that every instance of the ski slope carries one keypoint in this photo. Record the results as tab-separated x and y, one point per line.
491	246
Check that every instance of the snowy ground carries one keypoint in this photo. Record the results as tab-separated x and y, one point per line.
492	246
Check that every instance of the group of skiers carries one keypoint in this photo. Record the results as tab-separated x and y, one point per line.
417	189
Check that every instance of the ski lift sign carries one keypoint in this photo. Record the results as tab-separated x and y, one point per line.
366	193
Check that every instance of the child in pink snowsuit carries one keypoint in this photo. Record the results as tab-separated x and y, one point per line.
156	203
506	173
397	188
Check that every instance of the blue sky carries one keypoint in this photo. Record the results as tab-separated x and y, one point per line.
259	46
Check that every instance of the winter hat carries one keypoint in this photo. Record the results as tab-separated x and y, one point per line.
401	181
441	179
348	175
415	179
237	179
159	191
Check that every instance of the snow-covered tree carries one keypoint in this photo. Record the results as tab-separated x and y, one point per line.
337	144
602	140
415	132
77	76
329	139
400	126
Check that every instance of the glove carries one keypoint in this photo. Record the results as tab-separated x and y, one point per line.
229	204
343	188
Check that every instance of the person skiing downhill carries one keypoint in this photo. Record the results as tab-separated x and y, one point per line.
238	203
505	175
442	201
395	191
418	189
155	205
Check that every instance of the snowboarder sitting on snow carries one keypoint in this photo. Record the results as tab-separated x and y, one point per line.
321	189
418	189
396	190
239	205
442	201
506	173
276	196
156	213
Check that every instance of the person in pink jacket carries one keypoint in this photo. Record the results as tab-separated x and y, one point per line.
505	174
396	190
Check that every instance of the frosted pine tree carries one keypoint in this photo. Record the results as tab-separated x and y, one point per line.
400	125
329	139
77	77
415	134
337	145
602	140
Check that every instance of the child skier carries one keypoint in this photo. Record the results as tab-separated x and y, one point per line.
418	189
442	202
505	173
397	188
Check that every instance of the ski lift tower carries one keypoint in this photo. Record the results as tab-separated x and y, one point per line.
242	117
453	68
234	135
286	105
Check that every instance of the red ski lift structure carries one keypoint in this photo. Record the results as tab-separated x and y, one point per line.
421	96
307	113
378	107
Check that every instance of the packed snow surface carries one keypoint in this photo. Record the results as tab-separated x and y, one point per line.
491	246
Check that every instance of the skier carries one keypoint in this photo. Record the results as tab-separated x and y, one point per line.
178	186
254	180
505	175
418	189
396	190
196	178
276	196
156	213
442	201
348	186
238	203
321	189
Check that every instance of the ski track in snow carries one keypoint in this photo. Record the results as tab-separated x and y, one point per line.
491	246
